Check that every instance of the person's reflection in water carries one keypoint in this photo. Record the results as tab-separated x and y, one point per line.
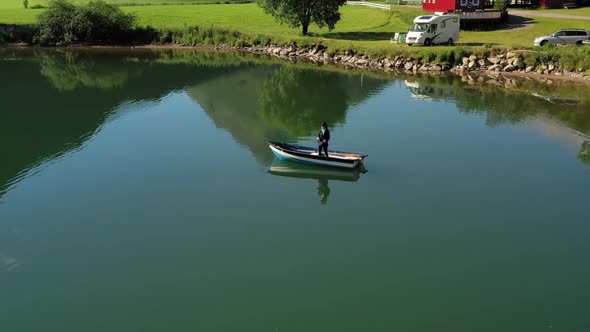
323	190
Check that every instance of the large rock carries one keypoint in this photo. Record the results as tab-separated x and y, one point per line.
528	69
518	63
493	67
483	62
494	60
511	55
472	65
551	67
473	57
423	68
408	66
509	68
436	68
503	62
465	61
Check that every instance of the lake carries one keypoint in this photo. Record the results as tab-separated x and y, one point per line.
137	193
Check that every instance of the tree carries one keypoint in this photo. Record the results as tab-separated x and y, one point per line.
66	23
26	4
503	6
298	13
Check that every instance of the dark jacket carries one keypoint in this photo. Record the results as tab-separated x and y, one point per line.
325	136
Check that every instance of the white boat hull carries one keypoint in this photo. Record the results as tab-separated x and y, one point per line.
314	159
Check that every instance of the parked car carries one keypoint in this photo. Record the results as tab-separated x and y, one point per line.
565	36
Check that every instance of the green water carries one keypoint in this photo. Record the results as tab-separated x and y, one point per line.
137	194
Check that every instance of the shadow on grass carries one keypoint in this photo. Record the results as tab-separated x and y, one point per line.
514	22
361	35
517	22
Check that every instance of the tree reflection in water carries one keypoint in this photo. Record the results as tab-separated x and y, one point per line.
584	153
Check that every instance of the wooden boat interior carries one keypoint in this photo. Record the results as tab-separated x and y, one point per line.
333	154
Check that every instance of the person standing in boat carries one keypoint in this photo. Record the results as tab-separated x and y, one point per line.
323	138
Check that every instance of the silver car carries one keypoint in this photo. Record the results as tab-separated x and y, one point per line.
565	36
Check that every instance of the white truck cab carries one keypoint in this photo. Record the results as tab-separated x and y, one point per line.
439	28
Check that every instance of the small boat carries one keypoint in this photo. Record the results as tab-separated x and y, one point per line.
310	156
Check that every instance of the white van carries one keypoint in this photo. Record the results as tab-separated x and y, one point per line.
434	29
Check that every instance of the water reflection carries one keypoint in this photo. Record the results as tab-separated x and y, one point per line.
64	97
297	100
255	104
552	109
322	174
584	153
67	70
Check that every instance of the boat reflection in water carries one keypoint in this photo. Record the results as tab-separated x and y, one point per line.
322	174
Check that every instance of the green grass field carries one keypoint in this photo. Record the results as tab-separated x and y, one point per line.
14	4
360	28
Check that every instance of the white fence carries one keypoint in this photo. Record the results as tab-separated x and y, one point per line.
368	4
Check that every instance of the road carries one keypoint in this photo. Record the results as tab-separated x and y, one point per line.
528	13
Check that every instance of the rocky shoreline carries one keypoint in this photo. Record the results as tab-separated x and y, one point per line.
504	64
508	63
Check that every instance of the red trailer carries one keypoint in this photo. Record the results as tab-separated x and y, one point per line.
453	5
469	10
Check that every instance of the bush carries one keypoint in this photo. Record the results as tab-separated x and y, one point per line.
571	57
65	23
208	36
26	4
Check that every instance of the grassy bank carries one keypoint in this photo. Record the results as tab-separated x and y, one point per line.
362	29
